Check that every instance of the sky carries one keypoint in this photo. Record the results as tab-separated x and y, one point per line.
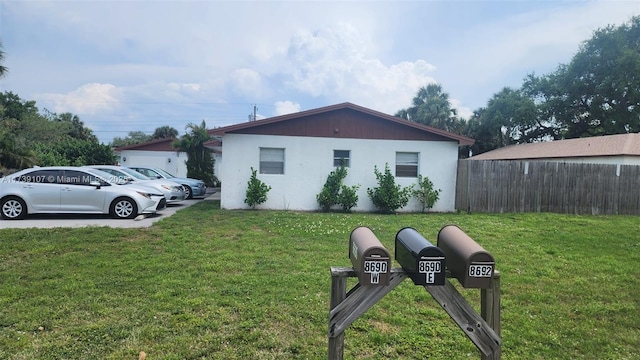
127	65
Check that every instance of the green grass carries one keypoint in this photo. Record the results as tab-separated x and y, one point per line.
209	283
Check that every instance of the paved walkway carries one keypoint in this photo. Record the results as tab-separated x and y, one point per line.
212	194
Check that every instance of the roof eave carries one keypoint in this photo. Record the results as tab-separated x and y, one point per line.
462	140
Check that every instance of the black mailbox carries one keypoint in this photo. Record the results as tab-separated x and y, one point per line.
466	259
369	257
423	262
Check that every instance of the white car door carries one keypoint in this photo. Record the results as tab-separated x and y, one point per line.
77	195
41	190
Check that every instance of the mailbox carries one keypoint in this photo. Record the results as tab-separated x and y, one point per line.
466	259
423	261
370	259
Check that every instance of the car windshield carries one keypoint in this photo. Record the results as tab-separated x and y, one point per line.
105	176
163	173
134	174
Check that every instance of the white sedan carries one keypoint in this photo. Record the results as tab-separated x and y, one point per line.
172	192
60	189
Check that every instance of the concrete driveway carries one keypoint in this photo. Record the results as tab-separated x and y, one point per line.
74	220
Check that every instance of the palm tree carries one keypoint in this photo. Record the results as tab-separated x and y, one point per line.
199	158
431	107
14	154
3	69
165	132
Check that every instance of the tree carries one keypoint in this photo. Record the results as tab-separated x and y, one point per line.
138	137
74	152
199	158
14	154
76	128
165	132
598	92
132	138
3	69
29	138
13	107
431	106
509	118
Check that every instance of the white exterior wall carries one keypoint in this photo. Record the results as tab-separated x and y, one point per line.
170	161
217	158
309	160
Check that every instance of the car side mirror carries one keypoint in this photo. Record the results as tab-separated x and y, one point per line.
96	184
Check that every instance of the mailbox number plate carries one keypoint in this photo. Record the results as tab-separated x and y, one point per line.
375	267
480	270
429	266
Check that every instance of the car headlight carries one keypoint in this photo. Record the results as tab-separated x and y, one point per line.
166	187
148	196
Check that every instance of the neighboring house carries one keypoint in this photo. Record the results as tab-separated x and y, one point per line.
622	149
159	153
156	153
594	175
295	153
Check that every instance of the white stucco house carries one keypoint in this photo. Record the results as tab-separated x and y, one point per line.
295	153
157	153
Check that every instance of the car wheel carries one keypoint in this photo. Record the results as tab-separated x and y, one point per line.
188	193
13	208
123	208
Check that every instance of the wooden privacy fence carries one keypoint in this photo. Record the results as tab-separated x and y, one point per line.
543	186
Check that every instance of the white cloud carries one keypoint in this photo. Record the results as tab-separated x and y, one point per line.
333	63
183	61
463	111
87	99
247	82
286	107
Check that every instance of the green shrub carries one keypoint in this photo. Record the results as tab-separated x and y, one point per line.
425	193
256	190
329	195
388	197
348	197
335	193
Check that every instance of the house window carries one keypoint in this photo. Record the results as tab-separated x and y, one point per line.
341	157
406	164
271	161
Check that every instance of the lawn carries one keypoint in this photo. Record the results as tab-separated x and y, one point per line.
214	284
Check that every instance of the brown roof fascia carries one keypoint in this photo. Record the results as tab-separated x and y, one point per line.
153	144
462	140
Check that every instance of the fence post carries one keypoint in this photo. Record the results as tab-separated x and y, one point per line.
338	294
